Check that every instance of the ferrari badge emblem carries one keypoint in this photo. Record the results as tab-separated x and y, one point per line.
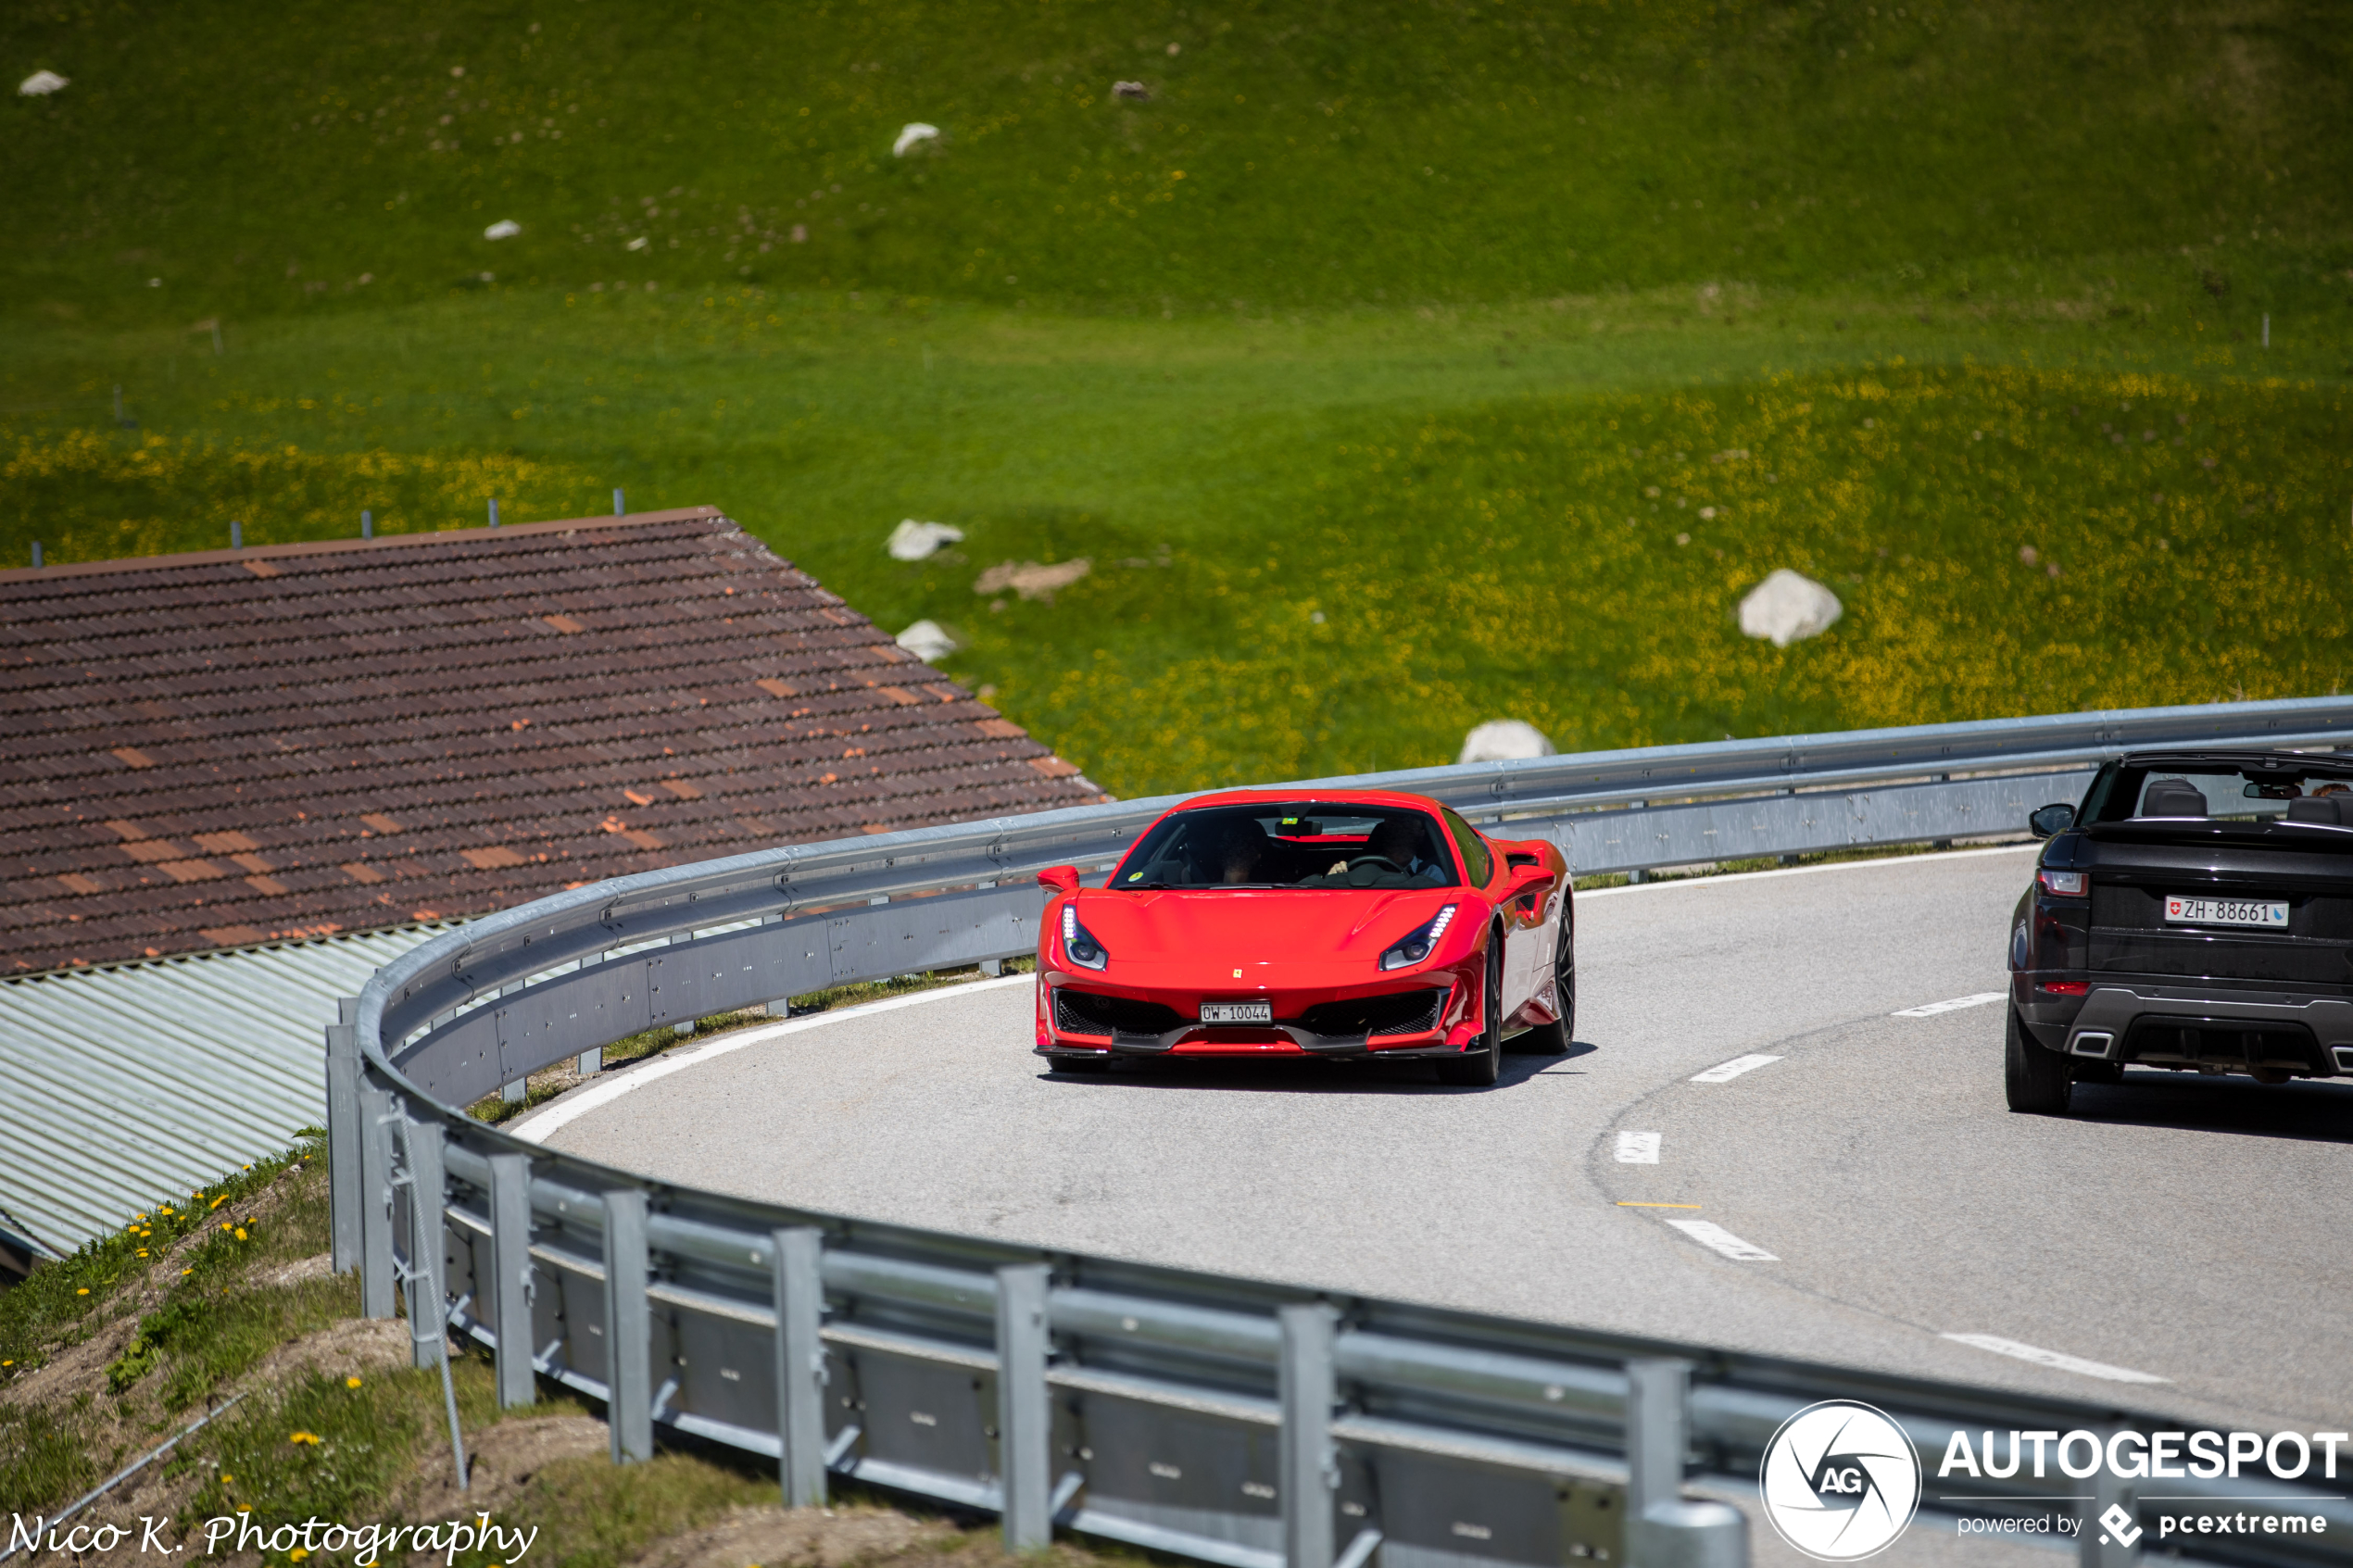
1238	975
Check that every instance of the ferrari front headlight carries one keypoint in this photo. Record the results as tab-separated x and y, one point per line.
1078	943
1420	942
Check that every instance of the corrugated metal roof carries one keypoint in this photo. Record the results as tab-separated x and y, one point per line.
120	1087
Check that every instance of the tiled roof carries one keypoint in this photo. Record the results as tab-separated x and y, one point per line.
224	749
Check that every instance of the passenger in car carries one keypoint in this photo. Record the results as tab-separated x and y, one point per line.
1242	852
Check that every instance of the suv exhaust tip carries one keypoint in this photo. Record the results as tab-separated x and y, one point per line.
2343	1056
2100	1044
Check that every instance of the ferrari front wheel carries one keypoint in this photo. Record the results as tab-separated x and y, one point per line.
1480	1065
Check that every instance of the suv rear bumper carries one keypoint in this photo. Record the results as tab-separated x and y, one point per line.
2169	1024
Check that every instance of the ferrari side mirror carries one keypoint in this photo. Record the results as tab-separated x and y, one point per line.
1526	877
2046	821
1058	879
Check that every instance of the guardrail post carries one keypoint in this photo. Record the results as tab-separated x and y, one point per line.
343	1136
1025	1410
1664	1529
378	1285
800	1295
2103	1543
428	1258
629	1406
511	1277
1309	1470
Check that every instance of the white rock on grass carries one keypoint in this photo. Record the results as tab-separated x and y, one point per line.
1030	580
504	229
1504	740
1787	606
913	135
927	642
914	541
41	83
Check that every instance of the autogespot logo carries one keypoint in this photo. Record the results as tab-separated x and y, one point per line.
1840	1481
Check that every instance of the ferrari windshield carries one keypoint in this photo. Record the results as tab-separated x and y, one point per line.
1302	844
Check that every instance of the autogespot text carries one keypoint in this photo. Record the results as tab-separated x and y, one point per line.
2163	1455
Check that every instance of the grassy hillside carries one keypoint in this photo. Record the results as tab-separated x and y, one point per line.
1358	421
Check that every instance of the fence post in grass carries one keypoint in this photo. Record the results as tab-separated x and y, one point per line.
628	1373
510	1279
237	535
493	511
1025	1410
376	1282
798	1292
344	1162
367	525
36	555
618	509
1310	1470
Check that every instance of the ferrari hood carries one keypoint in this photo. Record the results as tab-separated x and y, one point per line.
1258	926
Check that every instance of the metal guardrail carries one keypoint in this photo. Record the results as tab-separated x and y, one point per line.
1233	1422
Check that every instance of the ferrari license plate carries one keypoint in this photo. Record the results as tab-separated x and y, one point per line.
2270	913
1238	1012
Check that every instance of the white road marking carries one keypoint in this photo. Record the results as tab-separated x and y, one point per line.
579	1102
1931	1009
2059	1359
1716	1238
1726	1071
1637	1149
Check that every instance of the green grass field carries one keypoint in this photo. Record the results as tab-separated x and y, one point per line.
1479	360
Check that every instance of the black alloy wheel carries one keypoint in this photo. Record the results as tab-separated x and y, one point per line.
1550	1039
2037	1081
1481	1064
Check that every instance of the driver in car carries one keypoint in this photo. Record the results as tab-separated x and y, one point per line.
1400	841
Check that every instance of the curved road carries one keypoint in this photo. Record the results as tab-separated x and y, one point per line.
2191	1234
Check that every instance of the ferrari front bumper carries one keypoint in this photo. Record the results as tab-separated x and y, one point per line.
1394	1024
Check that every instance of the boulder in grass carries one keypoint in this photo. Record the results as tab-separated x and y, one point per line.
504	229
927	641
1131	91
1504	740
915	541
40	84
1030	580
1789	607
913	136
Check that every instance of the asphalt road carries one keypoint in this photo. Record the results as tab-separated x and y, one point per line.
2189	1232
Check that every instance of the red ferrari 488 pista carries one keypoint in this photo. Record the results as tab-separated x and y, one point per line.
1356	925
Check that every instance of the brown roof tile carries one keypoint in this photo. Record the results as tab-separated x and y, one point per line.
198	751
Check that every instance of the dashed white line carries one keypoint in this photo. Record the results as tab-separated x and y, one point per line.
1637	1149
2056	1359
1716	1238
1726	1071
1931	1009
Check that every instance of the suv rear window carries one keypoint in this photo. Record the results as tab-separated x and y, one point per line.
2218	791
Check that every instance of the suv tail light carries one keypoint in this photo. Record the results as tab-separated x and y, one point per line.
2064	885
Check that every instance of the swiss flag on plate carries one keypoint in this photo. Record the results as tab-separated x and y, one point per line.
2173	906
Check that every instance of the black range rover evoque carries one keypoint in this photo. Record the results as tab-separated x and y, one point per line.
2193	913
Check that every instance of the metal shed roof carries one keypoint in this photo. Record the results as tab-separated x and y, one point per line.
120	1087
